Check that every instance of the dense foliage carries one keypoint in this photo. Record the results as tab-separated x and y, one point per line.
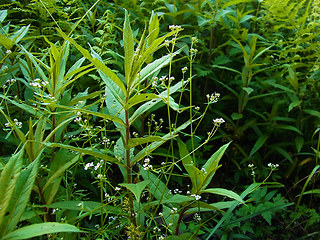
164	119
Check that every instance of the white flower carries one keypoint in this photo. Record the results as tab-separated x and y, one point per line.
88	165
217	122
197	197
117	188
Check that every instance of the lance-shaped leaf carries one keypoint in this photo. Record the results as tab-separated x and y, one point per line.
21	194
139	98
8	179
58	167
157	188
212	164
97	114
100	65
86	151
139	141
39	229
136	188
189	166
128	43
153	67
3	15
154	145
146	106
224	192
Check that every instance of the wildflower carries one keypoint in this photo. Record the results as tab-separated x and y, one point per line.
250	165
147	165
213	98
174	210
8	51
217	122
99	176
97	166
184	70
273	166
117	188
193	51
197	217
160	214
55	210
194	40
11	81
197	197
80	205
88	165
175	27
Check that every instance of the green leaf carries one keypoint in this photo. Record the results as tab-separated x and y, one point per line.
313	191
212	164
289	127
226	68
236	116
148	105
85	206
139	141
87	151
153	67
153	30
294	104
227	215
196	177
100	65
6	42
18	35
128	43
312	112
182	236
22	193
224	192
136	188
8	181
97	114
299	141
3	15
40	229
248	90
139	98
259	143
157	188
234	2
293	78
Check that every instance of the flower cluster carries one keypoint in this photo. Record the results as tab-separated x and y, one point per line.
38	83
197	217
91	164
217	122
175	28
146	164
16	122
184	70
213	98
197	197
273	166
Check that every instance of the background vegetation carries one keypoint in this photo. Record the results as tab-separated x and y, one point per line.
165	119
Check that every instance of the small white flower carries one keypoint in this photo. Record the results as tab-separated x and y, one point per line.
197	197
217	122
174	210
117	188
